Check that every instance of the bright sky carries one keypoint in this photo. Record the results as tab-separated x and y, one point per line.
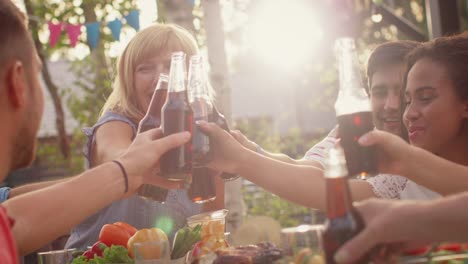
285	27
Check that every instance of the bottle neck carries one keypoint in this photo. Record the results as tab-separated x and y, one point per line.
177	74
339	201
352	96
348	65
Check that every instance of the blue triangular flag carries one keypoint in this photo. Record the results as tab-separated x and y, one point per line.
92	33
133	19
191	2
115	27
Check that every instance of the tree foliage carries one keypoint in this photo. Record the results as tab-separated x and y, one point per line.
92	69
294	144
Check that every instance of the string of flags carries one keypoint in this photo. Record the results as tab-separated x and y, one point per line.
92	29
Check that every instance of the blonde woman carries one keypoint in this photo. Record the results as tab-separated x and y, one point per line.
146	56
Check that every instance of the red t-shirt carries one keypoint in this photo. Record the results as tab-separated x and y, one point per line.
8	253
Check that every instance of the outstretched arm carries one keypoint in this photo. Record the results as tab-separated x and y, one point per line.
247	143
300	184
43	215
33	186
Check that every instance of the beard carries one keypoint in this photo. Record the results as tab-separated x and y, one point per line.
24	146
24	149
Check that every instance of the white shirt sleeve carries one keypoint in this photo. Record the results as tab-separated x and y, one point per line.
388	186
319	151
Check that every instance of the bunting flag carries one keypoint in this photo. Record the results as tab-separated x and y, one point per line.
92	33
115	27
92	29
73	32
55	31
191	2
133	19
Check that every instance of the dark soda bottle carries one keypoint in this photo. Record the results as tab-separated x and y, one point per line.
200	102
152	119
219	119
177	116
203	187
353	112
343	221
353	126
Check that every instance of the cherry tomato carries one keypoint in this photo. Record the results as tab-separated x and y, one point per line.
98	248
113	235
88	254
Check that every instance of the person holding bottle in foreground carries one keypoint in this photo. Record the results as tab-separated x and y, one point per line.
435	114
138	69
31	220
403	223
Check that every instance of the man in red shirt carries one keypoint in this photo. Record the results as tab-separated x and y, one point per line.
33	219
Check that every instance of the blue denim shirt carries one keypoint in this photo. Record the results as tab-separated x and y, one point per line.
137	211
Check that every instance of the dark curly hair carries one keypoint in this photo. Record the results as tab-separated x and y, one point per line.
452	53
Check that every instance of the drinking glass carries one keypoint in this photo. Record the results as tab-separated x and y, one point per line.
303	240
56	256
154	252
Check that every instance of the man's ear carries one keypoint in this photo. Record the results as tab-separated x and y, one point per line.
16	84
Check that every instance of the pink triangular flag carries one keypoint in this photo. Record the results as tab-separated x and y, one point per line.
73	32
55	31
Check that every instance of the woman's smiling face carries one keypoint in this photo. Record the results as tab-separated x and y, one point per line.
434	113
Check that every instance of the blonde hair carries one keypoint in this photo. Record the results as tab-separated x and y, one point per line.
151	41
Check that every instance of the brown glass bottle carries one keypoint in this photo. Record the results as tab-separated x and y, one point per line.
151	120
343	221
200	102
203	187
177	116
353	111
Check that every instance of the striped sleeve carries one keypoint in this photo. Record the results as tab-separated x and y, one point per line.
319	151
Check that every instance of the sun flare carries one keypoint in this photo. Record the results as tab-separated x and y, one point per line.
284	32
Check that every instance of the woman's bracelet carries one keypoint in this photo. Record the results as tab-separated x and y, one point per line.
124	172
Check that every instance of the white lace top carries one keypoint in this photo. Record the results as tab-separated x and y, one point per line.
385	186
